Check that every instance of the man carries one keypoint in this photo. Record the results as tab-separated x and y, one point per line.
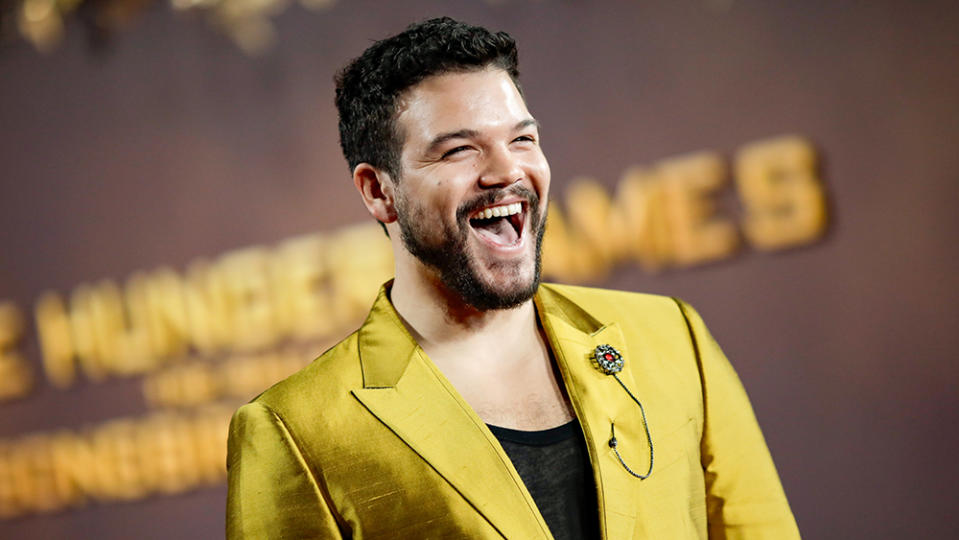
475	402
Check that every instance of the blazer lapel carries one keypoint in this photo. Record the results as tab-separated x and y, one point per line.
406	392
599	402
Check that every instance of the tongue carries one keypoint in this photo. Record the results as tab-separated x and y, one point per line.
498	230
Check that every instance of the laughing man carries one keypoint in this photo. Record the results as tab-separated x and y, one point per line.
476	402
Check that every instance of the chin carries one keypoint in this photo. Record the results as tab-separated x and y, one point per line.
500	288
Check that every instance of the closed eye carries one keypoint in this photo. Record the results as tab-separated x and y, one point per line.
453	151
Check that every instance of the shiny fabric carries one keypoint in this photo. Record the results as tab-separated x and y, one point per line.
372	441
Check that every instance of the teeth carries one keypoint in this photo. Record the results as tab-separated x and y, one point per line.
501	211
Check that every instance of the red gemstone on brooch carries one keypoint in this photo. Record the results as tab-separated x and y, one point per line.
608	359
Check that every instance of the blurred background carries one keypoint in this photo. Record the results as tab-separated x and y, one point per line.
178	230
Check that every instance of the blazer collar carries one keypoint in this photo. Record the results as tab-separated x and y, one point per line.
406	391
385	345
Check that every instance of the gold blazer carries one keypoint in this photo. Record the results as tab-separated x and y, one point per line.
372	441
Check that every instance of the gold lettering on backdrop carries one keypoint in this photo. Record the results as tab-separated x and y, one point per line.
205	297
362	260
587	200
238	377
55	335
666	215
75	460
698	235
245	300
253	320
600	231
640	197
123	459
16	379
304	304
156	304
784	199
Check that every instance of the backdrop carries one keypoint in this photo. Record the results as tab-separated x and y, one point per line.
176	218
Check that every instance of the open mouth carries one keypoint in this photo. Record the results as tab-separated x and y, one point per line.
500	224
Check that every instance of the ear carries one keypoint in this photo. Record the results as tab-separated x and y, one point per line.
377	189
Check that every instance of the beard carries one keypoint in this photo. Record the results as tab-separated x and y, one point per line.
449	254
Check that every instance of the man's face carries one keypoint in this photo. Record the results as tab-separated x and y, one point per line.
472	194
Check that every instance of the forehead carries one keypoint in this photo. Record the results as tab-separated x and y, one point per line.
475	100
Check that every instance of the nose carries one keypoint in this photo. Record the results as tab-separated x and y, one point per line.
502	168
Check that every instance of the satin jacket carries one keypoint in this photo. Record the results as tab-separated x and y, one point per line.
372	441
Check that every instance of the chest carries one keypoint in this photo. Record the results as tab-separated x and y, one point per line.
530	397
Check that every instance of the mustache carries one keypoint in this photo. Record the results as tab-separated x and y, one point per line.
489	197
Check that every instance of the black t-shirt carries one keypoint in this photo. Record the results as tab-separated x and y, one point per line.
554	465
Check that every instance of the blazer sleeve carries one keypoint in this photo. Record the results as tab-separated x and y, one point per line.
744	497
271	490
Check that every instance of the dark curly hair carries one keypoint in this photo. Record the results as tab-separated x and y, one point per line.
368	88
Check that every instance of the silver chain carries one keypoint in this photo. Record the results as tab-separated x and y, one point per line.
613	443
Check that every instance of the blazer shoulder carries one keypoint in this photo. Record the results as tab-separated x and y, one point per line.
329	377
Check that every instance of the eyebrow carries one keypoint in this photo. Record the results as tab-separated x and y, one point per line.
442	138
469	133
526	123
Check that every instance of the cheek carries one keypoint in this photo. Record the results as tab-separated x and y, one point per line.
450	191
540	168
433	214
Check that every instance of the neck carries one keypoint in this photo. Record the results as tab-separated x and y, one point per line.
446	327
